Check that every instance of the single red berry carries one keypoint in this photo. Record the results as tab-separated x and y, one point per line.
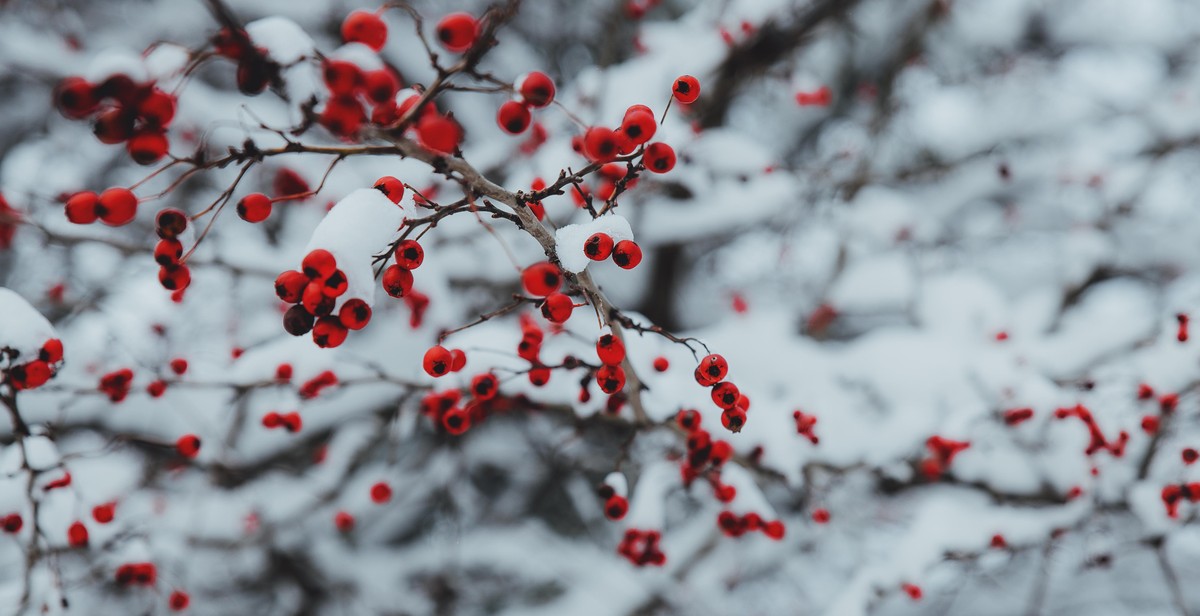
169	223
291	422
75	98
329	332
12	523
659	157
409	254
118	206
365	27
1190	455
83	208
661	364
615	507
627	254
397	281
156	388
686	89
639	124
610	350
457	32
541	279
458	360
600	144
336	284
77	535
912	590
439	133
733	419
178	600
104	513
343	521
539	376
147	147
381	86
355	314
342	78
711	370
168	252
725	395
513	117
51	351
283	372
297	321
391	188
598	247
485	386
456	421
319	264
611	379
114	126
174	277
381	493
774	529
536	88
290	285
254	207
558	307
437	361
157	109
179	365
188	446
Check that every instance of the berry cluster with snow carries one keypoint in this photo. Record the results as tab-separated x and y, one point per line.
838	307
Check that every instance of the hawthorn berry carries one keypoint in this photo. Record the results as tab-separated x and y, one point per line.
774	529
381	87
513	117
168	252
355	314
83	208
175	277
686	89
458	360
397	281
439	133
343	521
600	144
329	332
283	372
536	88
178	600
114	126
611	379
725	395
820	515
318	264
297	321
1190	455
156	388
437	361
661	364
12	523
659	157
615	507
485	386
51	351
456	421
733	419
365	27
598	247
77	535
254	207
117	206
639	124
457	32
627	254
147	147
689	420
169	223
188	446
539	376
391	188
381	493
291	422
557	307
157	109
75	98
712	369
409	254
541	279
610	350
335	285
343	115
104	513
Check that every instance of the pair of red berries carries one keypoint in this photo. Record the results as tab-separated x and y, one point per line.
536	89
113	207
611	351
314	291
543	279
141	574
397	279
136	114
625	253
38	371
288	421
440	361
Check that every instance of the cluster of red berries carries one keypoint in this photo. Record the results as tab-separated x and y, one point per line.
137	574
312	387
173	274
255	71
703	453
804	426
136	114
288	421
116	384
535	90
734	525
601	144
640	547
543	279
351	89
314	291
1174	494
37	371
625	253
942	451
1098	440
711	373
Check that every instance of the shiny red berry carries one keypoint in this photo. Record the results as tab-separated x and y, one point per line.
541	279
513	117
659	157
254	207
390	187
365	27
188	446
355	314
117	207
686	89
409	254
627	254
83	208
397	281
712	369
329	332
610	350
147	147
639	124
457	31
558	307
600	144
536	88
318	264
381	493
598	247
437	361
169	223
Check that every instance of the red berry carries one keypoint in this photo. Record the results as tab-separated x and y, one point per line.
283	372
661	364
329	332
147	147
381	493
598	247
733	419
343	521
114	126
391	188
343	116
319	264
458	360
381	86
77	535
75	98
156	388
820	516
615	507
558	307
168	252
712	369
104	513
437	361
611	379
118	206
439	133
541	279
12	523
157	109
456	421
600	144
610	350
254	207
639	124
52	351
536	88
397	281
335	285
409	254
365	27
342	78
1190	455
188	446
539	376
725	395
169	223
83	208
774	529
174	277
355	314
485	386
178	600
290	285
513	117
457	31
686	89
659	157
627	254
